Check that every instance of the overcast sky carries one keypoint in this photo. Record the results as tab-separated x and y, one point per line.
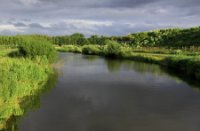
102	17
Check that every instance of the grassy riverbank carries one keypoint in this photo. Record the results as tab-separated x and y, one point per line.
25	60
22	77
182	61
176	49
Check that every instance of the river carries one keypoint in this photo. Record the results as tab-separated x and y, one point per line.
97	94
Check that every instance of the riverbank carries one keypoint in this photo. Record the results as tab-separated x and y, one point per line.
185	62
21	79
101	93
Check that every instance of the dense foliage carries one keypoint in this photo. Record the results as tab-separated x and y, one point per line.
90	50
165	37
78	39
188	65
37	47
112	49
22	78
30	45
18	40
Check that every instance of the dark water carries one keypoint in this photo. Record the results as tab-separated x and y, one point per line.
95	94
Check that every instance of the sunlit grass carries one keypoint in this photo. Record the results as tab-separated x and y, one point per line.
21	77
176	51
5	50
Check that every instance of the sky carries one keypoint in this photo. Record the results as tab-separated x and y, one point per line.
101	17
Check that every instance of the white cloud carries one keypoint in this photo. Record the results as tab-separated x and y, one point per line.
29	2
80	23
11	28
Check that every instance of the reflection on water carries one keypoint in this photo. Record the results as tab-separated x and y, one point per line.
95	94
117	65
29	102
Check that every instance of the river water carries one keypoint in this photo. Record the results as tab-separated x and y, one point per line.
97	94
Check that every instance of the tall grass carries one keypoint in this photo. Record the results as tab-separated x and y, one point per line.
33	48
192	50
189	66
22	76
19	78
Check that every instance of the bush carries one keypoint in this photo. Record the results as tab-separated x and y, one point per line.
71	48
90	50
186	65
112	49
40	47
177	52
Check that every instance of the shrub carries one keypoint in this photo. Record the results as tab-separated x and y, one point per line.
90	50
112	49
186	65
72	48
178	52
40	47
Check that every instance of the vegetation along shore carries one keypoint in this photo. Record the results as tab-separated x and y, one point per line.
25	69
176	49
25	60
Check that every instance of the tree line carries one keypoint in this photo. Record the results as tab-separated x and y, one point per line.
165	37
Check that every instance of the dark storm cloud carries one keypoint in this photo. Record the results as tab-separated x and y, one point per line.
119	3
128	3
100	3
184	3
20	24
105	17
35	25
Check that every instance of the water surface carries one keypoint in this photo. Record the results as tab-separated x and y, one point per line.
97	94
